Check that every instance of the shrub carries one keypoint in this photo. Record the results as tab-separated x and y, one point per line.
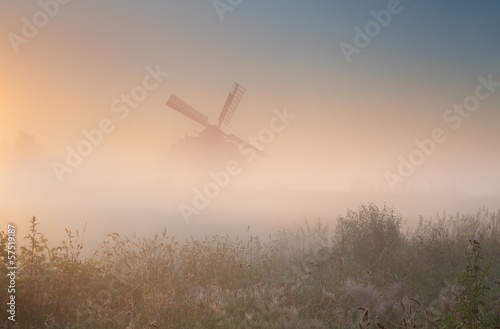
370	237
472	299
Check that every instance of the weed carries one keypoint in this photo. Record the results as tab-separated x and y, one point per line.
365	273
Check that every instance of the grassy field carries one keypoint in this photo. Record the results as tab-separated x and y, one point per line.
368	271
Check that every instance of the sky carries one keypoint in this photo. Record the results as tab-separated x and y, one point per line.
357	116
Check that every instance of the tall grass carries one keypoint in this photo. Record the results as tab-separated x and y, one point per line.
364	273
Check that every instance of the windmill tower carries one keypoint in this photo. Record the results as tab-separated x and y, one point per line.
213	138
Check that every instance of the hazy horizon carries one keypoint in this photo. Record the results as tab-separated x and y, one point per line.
346	127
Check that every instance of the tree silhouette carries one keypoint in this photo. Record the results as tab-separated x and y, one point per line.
25	163
26	148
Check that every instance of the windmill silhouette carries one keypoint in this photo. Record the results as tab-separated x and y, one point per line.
212	137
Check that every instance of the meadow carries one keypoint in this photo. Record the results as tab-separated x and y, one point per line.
368	271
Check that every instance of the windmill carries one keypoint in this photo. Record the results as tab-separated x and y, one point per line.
212	134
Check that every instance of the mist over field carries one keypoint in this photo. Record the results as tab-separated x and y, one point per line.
197	202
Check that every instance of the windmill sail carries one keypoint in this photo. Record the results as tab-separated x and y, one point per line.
232	101
180	106
240	141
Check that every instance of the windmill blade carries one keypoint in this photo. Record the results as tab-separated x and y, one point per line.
232	101
240	141
180	106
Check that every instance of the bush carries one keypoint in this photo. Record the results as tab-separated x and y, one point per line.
371	237
472	299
